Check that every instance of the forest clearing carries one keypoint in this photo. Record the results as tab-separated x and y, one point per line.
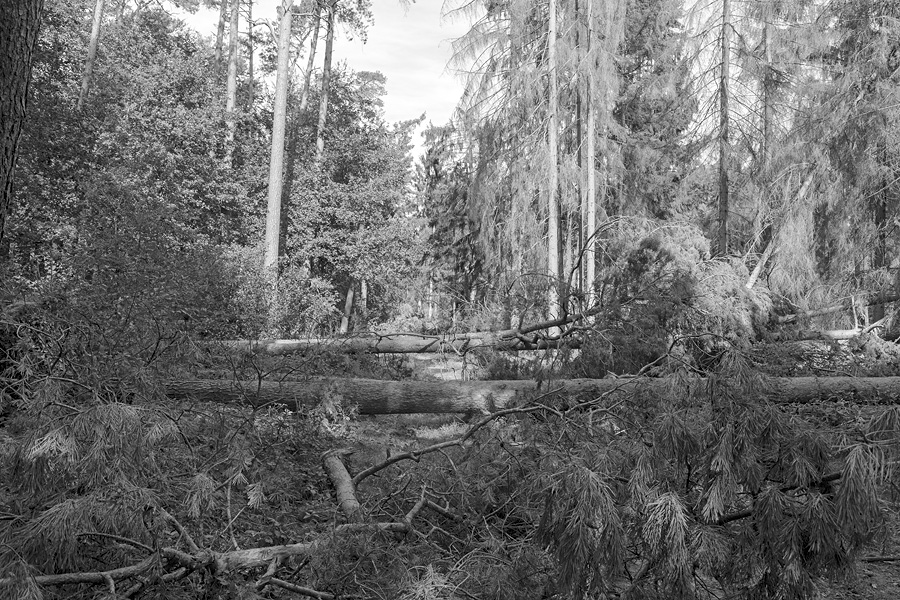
624	326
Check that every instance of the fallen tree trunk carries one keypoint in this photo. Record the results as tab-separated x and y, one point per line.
375	397
525	337
871	300
398	343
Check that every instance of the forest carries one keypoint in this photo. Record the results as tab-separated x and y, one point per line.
626	326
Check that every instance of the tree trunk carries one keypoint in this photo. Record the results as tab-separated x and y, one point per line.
590	232
724	133
553	298
231	86
92	53
880	256
348	310
398	343
363	305
375	397
872	300
20	22
276	157
220	32
251	90
326	83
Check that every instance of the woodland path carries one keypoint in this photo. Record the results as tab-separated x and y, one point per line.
444	366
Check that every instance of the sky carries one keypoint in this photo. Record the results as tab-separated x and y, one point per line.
409	45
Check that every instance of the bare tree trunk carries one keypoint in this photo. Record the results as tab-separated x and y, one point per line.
553	298
220	32
276	156
326	83
20	22
724	131
376	397
871	300
348	310
231	87
364	304
251	93
92	53
590	218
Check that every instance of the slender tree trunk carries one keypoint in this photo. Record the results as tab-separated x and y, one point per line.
364	304
251	86
326	83
724	132
231	87
92	53
348	310
879	258
553	299
590	218
768	97
220	32
276	157
297	127
20	22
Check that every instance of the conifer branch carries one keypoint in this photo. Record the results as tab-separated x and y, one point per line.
748	512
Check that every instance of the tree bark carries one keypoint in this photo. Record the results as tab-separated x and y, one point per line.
553	299
373	397
326	84
20	22
724	132
231	86
276	157
92	53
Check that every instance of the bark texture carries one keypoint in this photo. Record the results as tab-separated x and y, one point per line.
20	22
374	397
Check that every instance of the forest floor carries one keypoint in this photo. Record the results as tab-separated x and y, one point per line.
301	505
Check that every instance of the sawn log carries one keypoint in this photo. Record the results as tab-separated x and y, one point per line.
375	397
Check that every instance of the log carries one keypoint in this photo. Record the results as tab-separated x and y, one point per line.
870	300
394	343
525	337
374	397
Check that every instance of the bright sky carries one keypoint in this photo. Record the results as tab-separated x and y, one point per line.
411	46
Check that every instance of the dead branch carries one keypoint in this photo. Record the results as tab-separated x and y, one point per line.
415	455
344	485
299	589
